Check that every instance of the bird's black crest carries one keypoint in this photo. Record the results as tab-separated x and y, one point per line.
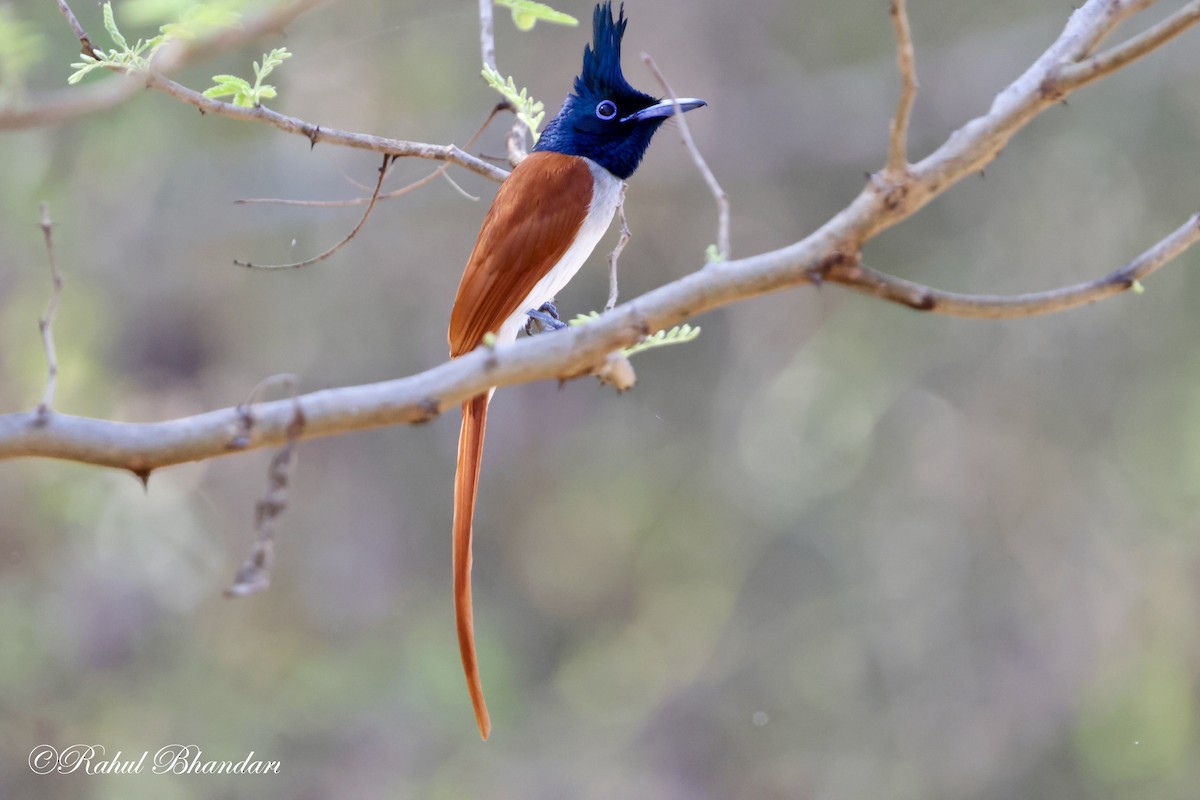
602	60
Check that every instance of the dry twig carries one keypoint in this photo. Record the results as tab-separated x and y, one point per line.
383	170
46	321
897	162
255	573
615	255
684	131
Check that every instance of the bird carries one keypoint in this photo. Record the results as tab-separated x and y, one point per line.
546	218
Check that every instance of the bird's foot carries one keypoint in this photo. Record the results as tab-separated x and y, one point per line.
544	318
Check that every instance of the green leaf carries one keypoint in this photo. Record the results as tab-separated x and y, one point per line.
231	80
110	25
526	13
243	93
83	68
677	335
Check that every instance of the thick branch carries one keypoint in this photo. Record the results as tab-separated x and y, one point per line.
568	353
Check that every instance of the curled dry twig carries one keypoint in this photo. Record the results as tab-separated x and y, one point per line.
255	573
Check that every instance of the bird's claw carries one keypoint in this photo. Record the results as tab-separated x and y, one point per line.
544	317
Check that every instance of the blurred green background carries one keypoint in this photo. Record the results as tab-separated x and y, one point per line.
833	549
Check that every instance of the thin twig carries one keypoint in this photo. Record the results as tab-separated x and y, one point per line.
1118	11
897	162
316	134
1135	47
487	35
456	187
383	168
515	142
46	322
417	184
1032	304
85	44
615	255
357	201
717	192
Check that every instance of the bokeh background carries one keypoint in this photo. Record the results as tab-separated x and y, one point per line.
832	549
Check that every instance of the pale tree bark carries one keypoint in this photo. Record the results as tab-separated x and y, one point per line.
831	254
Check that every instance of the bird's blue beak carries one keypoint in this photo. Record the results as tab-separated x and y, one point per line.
664	108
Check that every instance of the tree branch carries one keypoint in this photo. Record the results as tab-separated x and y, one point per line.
830	253
55	107
46	322
713	186
1034	304
397	148
487	35
69	103
897	161
383	171
85	44
615	255
1111	60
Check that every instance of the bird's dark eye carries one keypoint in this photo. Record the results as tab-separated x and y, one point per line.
606	109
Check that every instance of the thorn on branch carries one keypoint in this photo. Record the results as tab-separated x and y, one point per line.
143	475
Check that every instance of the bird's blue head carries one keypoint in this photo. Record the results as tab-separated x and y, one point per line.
605	119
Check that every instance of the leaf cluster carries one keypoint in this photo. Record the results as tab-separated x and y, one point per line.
677	335
243	93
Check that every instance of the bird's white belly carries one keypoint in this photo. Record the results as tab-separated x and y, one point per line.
606	191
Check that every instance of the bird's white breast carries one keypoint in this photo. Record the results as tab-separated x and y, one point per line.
606	191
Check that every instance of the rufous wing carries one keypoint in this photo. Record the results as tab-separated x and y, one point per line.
533	220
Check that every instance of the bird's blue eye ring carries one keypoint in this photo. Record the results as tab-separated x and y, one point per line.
606	109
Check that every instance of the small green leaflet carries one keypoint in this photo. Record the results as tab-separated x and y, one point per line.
526	13
240	90
529	111
677	335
